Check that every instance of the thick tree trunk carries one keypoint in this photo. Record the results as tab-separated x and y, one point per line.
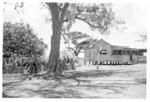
53	62
57	17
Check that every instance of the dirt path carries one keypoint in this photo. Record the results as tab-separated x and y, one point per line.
108	82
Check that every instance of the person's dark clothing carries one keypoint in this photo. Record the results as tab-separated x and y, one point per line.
63	64
33	67
67	60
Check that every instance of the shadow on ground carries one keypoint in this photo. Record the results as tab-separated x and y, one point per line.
79	84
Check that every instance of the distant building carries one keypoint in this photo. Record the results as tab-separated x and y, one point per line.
105	53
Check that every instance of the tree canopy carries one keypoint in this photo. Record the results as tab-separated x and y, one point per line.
97	16
20	39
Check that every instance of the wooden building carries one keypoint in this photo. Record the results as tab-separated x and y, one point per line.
104	53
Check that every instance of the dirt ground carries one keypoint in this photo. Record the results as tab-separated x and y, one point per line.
118	81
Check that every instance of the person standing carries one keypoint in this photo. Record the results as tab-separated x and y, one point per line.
72	64
98	55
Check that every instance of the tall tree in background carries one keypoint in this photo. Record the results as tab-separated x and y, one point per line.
97	16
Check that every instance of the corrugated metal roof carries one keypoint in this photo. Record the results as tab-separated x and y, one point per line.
117	47
98	42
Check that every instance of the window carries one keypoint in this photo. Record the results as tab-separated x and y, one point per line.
115	52
128	52
135	52
103	52
120	52
125	52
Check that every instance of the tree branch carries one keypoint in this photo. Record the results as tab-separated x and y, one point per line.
84	20
64	9
53	8
63	35
77	14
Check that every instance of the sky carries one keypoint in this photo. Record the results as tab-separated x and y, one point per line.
133	14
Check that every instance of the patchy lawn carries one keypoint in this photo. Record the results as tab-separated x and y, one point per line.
120	81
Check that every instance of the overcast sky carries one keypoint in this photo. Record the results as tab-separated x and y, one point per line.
133	14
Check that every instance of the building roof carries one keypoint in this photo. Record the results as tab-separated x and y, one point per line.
112	46
117	47
99	41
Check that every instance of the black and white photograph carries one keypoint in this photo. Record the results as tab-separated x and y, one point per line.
74	50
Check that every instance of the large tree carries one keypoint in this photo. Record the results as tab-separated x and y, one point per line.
97	16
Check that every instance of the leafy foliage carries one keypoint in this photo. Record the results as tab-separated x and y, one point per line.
75	36
20	39
142	37
80	40
97	16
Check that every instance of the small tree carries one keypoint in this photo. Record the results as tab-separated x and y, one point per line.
80	41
